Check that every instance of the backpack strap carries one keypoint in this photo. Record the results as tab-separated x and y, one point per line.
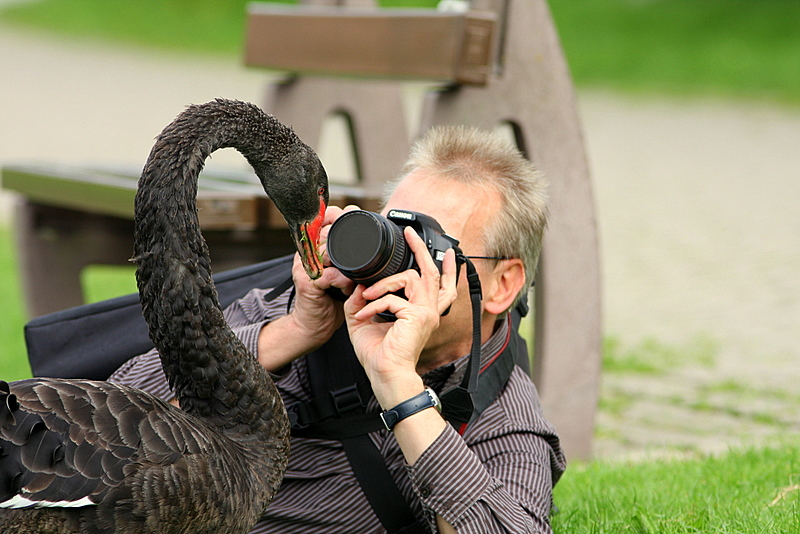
341	392
379	487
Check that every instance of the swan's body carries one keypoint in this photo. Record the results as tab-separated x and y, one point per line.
95	457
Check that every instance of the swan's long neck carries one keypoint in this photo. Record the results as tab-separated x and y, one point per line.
210	370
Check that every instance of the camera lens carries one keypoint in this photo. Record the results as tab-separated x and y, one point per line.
367	247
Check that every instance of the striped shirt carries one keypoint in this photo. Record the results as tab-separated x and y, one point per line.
496	477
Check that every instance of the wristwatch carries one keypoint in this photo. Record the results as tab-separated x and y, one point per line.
417	403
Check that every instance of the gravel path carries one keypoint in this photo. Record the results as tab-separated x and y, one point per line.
699	228
696	207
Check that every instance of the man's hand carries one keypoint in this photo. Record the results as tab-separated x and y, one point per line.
389	351
316	315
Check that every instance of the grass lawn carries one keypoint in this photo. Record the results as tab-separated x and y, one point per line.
13	359
747	491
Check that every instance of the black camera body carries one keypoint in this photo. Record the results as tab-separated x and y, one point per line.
367	247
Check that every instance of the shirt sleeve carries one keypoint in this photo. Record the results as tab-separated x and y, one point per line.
499	479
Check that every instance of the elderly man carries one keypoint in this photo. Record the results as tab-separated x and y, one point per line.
491	472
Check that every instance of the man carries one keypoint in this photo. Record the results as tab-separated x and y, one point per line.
493	475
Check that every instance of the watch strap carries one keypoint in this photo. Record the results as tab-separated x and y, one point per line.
426	399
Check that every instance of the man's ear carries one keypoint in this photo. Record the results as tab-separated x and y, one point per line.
508	278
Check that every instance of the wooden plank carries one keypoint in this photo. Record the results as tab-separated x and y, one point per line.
222	203
226	200
101	193
418	44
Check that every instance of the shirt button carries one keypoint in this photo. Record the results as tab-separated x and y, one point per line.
425	492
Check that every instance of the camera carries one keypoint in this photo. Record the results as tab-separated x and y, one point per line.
367	247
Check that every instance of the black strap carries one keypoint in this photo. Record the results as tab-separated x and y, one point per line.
380	488
494	377
278	290
457	404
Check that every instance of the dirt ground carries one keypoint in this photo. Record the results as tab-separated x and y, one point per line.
695	203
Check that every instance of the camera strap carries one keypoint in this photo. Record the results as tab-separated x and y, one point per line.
458	404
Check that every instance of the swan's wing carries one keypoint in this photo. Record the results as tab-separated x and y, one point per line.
70	442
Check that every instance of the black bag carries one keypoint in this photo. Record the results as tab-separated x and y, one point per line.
92	341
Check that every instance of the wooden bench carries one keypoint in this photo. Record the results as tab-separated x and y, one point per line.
494	69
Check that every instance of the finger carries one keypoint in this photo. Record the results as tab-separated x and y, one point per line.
338	280
392	283
330	277
355	302
427	267
448	291
449	271
388	303
304	285
331	214
297	268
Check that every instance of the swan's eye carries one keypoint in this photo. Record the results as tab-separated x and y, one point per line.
321	191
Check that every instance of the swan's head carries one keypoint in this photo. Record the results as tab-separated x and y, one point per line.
298	185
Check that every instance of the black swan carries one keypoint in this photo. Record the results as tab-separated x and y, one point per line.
95	457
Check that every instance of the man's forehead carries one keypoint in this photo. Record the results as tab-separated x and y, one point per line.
456	206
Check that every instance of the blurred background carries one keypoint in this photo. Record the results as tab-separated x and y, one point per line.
691	116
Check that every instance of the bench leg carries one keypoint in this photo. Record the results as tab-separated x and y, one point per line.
55	244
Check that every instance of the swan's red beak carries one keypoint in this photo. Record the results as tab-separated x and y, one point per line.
306	239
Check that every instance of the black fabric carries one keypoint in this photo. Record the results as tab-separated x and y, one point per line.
92	341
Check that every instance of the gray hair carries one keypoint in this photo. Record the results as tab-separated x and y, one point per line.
485	159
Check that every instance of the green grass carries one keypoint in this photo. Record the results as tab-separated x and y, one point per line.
206	26
13	359
748	491
737	47
102	282
740	48
651	356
